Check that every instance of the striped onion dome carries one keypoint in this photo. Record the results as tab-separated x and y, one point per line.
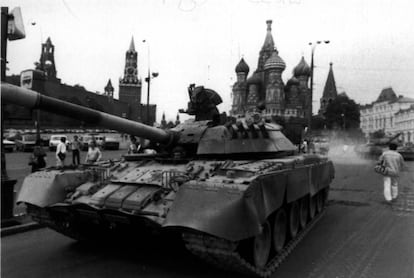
274	62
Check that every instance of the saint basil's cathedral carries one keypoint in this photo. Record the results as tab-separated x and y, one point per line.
266	88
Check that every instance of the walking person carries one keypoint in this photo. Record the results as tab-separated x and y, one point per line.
393	163
61	153
76	146
37	158
94	154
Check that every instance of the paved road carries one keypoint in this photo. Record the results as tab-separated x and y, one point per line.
358	236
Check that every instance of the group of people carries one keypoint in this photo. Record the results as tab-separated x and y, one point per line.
38	158
135	147
94	153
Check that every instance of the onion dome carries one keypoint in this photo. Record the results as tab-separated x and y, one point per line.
242	67
254	79
274	62
293	82
302	69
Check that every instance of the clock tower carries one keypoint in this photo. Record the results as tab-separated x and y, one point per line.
130	85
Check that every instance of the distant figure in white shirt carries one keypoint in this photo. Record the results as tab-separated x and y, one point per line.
94	154
394	163
61	153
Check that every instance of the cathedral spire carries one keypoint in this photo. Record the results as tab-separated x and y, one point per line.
132	45
268	44
268	47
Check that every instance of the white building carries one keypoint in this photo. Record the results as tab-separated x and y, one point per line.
382	114
404	123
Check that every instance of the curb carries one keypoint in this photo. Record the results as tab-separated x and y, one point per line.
19	229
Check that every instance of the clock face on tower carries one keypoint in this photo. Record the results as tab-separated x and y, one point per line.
130	70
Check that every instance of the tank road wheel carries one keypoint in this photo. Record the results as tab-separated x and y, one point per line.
293	219
303	212
312	206
261	246
279	230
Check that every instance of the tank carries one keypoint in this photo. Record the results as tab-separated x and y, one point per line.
407	151
376	146
235	190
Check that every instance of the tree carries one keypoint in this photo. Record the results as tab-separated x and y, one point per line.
342	113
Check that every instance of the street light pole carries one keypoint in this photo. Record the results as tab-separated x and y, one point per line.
148	94
313	45
148	80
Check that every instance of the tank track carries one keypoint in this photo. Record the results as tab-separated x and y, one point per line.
218	252
43	217
222	253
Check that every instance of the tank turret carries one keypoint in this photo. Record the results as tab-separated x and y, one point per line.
210	133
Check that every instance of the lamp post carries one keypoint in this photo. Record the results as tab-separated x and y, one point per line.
148	80
313	46
11	29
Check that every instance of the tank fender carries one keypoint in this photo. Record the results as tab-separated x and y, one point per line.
299	183
321	176
46	188
221	211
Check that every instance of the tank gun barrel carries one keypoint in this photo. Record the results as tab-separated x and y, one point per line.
394	137
33	100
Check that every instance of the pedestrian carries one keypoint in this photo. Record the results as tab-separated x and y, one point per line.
76	146
94	154
134	147
37	158
61	153
392	163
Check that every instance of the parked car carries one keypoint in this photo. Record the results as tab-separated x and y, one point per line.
44	140
25	142
111	143
9	146
55	140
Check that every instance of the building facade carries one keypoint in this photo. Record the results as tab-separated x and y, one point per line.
388	113
265	89
49	84
404	124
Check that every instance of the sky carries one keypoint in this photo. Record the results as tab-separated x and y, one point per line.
201	42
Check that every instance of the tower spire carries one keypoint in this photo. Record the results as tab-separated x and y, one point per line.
132	45
47	60
268	44
329	90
